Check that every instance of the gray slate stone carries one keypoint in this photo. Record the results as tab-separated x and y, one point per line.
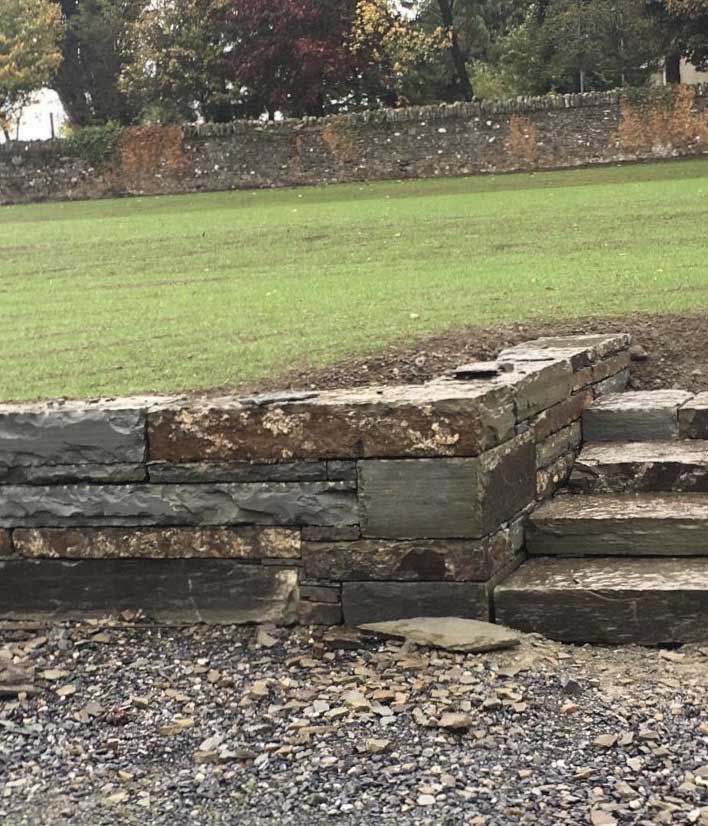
613	384
449	633
70	474
693	418
581	351
447	498
558	444
615	601
620	525
639	467
204	472
275	503
643	416
72	435
172	591
364	602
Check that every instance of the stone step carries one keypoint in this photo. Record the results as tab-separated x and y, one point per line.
639	416
671	524
636	467
643	601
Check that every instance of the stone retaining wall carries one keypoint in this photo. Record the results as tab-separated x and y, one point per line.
360	505
553	131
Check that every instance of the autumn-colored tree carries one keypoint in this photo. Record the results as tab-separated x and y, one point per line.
294	55
178	66
30	31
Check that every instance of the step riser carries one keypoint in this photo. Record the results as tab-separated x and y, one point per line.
635	417
640	617
617	537
640	477
643	601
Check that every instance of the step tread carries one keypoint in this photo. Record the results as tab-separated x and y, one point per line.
609	574
621	453
616	601
642	400
623	506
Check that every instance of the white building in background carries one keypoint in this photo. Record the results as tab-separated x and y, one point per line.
689	74
36	121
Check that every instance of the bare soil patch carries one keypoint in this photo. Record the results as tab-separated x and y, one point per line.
676	347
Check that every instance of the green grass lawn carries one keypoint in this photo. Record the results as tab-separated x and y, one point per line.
159	294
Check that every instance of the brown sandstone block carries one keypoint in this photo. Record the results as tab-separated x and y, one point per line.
439	419
561	415
5	543
161	543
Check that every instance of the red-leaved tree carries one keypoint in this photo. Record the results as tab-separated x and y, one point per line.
294	56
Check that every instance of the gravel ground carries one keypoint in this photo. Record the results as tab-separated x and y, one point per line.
133	723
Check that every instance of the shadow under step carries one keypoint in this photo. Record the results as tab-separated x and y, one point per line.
616	601
637	467
670	524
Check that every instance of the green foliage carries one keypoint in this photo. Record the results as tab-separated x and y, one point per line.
94	144
491	82
234	287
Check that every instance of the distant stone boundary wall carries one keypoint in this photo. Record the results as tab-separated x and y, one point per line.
362	505
554	131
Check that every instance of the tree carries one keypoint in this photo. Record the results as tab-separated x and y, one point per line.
30	31
294	55
178	65
685	27
95	52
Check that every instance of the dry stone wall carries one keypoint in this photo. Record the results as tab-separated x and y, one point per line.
554	131
362	505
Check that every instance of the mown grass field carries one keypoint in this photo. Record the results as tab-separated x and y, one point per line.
161	294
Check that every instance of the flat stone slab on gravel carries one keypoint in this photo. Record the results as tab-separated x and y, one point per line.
619	467
671	524
642	601
450	633
640	416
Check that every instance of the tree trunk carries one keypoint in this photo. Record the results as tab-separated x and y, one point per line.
458	58
672	67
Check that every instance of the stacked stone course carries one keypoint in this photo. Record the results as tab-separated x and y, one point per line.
360	505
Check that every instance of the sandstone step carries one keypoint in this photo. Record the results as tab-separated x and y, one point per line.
635	467
639	416
643	601
672	524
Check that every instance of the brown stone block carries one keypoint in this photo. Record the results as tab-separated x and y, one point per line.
5	543
447	498
693	418
410	560
550	478
611	366
561	415
160	543
319	613
438	419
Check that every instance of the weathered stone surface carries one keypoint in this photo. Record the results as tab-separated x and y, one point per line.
450	633
693	418
318	533
581	351
438	419
549	479
558	445
447	498
645	416
321	593
615	384
319	613
342	470
561	415
364	602
458	560
70	474
307	470
643	601
5	543
161	543
212	591
275	503
72	434
606	369
621	525
539	385
636	467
